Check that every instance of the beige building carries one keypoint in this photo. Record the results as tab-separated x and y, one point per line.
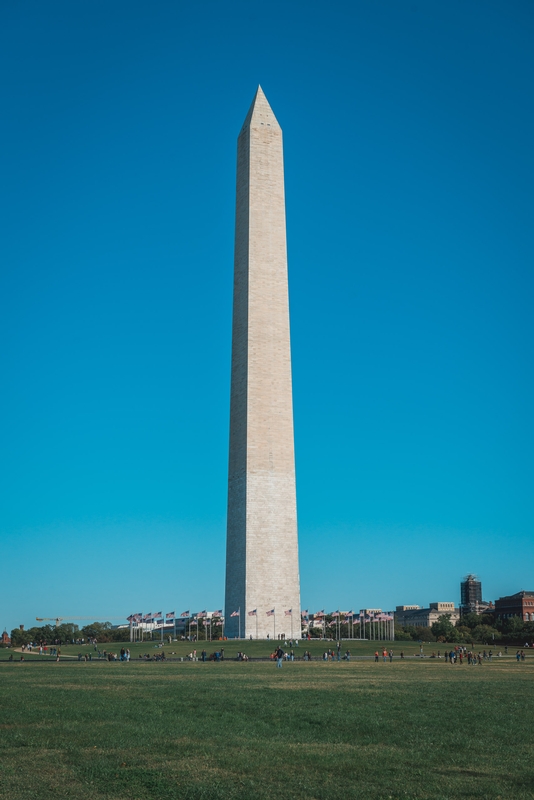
262	571
415	615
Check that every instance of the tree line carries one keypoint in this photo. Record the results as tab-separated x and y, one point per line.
481	628
68	632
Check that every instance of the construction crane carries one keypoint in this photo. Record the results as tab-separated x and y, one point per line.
59	620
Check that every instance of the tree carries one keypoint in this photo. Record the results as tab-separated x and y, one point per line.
514	628
463	633
472	620
66	632
420	633
401	634
97	630
443	629
486	634
19	637
39	635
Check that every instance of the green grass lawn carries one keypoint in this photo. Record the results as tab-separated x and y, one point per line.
412	729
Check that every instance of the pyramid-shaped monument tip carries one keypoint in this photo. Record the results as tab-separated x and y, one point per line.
260	112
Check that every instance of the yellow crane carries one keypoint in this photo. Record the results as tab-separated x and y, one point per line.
59	620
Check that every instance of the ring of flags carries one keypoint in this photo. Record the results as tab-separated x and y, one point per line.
336	617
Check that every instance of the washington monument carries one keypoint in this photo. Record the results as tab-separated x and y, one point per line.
262	571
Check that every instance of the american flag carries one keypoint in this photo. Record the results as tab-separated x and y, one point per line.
170	615
253	613
289	613
201	614
319	614
218	613
335	614
185	614
235	613
270	613
130	618
193	622
304	613
158	614
147	616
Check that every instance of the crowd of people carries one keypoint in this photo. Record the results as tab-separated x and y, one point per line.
452	654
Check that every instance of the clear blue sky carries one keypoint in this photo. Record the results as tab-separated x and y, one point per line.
409	170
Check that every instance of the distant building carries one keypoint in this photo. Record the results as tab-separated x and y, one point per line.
471	601
425	617
520	604
5	640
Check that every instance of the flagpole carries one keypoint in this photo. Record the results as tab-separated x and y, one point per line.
274	623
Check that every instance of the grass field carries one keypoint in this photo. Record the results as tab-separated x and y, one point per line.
412	729
259	649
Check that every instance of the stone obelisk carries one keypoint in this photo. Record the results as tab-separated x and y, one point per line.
262	571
